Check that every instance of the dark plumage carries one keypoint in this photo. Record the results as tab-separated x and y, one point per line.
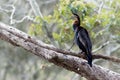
82	39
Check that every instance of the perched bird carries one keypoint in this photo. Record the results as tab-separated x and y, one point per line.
82	39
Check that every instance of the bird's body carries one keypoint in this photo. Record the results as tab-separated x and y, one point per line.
82	39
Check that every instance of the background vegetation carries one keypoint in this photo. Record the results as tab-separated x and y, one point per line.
51	21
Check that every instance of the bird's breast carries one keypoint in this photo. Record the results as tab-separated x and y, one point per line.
76	37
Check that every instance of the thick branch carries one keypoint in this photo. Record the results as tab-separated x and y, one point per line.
65	59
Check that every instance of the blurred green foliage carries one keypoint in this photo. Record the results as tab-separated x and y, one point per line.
96	19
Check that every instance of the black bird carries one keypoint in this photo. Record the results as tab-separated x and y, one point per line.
82	39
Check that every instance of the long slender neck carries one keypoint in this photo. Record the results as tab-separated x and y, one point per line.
78	18
76	23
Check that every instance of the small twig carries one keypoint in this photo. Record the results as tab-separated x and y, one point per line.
115	48
12	11
35	8
5	10
13	21
72	44
103	30
12	14
100	47
100	7
9	10
21	20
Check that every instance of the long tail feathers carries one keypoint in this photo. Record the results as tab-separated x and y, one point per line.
89	58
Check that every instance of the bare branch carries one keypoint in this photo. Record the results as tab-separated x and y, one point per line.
5	10
51	47
109	58
100	7
24	18
54	55
12	14
100	47
12	11
35	8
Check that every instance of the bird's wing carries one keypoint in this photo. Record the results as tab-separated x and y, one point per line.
85	39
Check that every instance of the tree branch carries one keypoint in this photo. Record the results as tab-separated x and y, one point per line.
62	58
12	13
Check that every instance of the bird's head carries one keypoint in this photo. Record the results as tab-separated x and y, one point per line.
76	19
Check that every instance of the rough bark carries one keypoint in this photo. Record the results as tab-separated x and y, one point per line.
62	58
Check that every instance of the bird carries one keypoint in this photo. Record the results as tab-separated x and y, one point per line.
82	39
